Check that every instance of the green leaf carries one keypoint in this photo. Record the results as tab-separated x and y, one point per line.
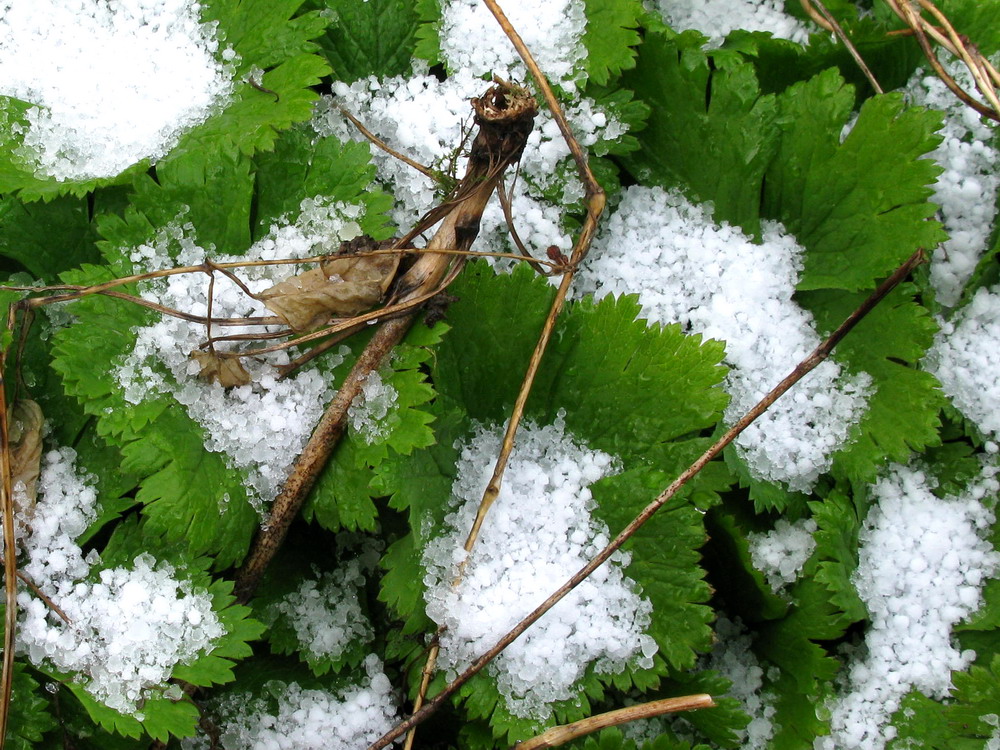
29	716
211	515
610	37
711	130
303	165
342	497
428	45
903	407
375	38
47	238
839	524
626	388
859	208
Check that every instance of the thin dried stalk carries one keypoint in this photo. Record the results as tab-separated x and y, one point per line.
595	201
560	735
9	545
822	16
983	73
818	355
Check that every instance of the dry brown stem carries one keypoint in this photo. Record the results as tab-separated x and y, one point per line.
560	735
9	545
504	115
819	13
595	201
818	355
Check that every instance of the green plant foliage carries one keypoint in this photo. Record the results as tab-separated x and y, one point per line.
374	38
760	129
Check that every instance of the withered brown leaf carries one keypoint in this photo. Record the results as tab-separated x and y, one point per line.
340	286
25	433
226	371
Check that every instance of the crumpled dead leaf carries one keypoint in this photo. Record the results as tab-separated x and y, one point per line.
226	371
24	430
341	286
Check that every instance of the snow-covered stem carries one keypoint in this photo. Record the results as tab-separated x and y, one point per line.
818	355
560	735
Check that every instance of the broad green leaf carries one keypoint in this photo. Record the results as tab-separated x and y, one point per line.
610	37
303	165
711	131
47	238
375	38
859	208
29	717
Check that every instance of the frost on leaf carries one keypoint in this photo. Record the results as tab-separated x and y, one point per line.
340	286
538	533
129	626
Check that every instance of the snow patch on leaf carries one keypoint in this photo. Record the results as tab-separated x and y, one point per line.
263	426
922	564
966	359
538	533
129	627
734	659
713	280
780	553
717	18
112	83
967	188
308	719
326	613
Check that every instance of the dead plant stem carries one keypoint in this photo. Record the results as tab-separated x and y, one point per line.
560	735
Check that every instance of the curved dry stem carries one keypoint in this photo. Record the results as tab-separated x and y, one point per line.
818	355
560	735
984	74
9	543
595	201
822	16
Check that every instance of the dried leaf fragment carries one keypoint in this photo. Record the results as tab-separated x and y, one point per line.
25	433
226	371
342	285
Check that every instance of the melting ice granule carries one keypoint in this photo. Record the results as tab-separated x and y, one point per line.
537	534
326	614
114	83
966	359
309	719
967	188
921	567
261	427
713	280
368	413
780	553
716	18
129	629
